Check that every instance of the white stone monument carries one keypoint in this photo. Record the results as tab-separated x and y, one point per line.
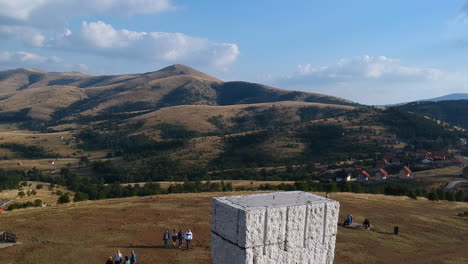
280	227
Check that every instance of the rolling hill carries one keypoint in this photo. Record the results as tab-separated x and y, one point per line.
449	97
175	85
454	112
179	123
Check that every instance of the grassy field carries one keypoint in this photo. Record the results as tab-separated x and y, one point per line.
430	232
44	194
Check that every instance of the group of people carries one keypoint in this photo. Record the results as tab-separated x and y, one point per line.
118	258
349	220
178	236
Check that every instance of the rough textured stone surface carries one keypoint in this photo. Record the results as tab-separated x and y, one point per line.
282	227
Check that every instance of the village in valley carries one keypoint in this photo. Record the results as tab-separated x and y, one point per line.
396	165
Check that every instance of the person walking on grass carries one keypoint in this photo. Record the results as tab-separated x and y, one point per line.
127	260
180	236
118	257
166	238
174	237
133	257
109	260
188	238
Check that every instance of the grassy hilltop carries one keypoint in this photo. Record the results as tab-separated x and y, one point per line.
430	232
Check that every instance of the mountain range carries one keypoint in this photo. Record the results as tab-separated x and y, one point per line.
454	96
67	95
188	118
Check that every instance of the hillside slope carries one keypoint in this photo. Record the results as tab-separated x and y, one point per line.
448	97
454	112
110	94
96	229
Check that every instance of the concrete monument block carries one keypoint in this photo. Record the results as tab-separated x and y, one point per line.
281	227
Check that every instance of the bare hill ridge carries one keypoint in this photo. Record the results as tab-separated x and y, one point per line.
97	95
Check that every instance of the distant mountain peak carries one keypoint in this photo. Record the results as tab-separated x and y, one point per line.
453	96
34	70
180	69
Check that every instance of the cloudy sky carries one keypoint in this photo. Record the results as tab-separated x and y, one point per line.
372	52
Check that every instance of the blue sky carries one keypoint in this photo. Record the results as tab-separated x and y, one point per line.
372	52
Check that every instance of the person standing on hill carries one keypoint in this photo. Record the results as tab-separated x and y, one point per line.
188	238
366	223
117	257
180	236
133	257
174	237
166	238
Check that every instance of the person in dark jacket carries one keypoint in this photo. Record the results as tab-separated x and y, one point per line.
347	221
180	236
174	237
109	260
133	257
366	224
166	238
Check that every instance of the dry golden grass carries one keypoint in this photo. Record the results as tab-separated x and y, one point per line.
61	143
199	150
447	171
195	117
43	101
43	194
235	183
430	232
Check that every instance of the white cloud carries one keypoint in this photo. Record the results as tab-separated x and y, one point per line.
371	80
158	47
44	23
28	35
27	60
53	10
369	67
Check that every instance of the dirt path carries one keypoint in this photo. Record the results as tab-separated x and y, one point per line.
452	184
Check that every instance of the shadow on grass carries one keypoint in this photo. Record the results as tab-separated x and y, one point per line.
138	246
384	233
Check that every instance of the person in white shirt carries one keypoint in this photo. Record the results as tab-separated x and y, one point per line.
117	257
188	237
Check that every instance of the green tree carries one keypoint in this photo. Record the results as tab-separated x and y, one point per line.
64	198
37	203
450	196
433	196
332	187
459	196
79	196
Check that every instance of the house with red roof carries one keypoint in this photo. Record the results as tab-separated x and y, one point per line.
363	176
465	172
406	172
439	156
381	175
456	162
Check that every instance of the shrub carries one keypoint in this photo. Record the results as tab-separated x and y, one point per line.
79	196
64	198
433	196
